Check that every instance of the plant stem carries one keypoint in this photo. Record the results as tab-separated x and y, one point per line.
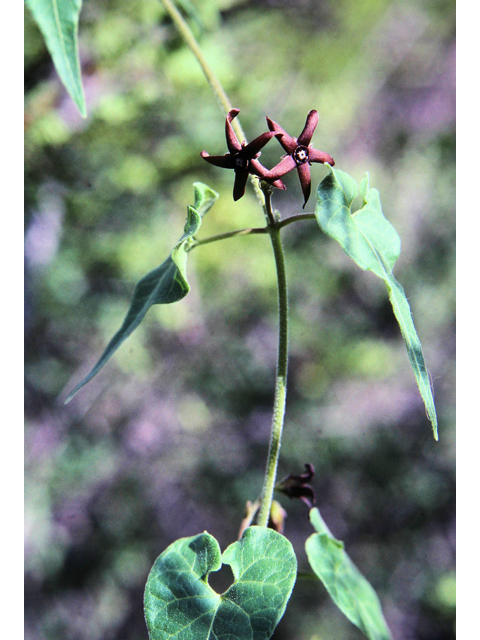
282	366
212	79
253	230
228	234
273	228
307	575
190	40
296	218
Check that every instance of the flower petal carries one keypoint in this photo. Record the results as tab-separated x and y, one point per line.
232	141
305	180
253	147
287	142
226	161
319	156
259	170
305	137
255	167
276	183
284	166
241	178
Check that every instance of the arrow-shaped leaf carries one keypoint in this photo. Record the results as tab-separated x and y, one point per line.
372	242
351	592
180	604
58	22
164	285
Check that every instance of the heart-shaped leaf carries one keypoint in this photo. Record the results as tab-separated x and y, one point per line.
180	603
164	285
58	22
372	242
351	592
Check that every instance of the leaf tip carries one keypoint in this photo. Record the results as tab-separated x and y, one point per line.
432	416
204	196
73	392
78	96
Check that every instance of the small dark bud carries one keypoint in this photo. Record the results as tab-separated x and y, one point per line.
296	486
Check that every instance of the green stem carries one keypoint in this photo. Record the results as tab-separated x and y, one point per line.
307	575
253	230
212	79
282	366
296	218
228	234
273	228
190	40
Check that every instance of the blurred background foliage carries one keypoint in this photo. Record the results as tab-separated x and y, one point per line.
171	438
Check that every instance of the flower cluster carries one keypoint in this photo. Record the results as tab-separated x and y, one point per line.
242	158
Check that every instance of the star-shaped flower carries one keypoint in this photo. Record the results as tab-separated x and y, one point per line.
242	158
300	153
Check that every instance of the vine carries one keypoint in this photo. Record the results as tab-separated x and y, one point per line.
178	599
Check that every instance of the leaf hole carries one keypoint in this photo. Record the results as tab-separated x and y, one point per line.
357	204
221	580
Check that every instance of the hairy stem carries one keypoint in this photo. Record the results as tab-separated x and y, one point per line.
263	193
212	79
282	365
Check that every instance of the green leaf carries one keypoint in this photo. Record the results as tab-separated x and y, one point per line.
204	198
180	603
58	22
164	285
350	591
372	242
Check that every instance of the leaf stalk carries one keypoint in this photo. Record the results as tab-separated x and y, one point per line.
252	231
228	234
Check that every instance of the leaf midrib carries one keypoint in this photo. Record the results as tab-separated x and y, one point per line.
388	278
62	41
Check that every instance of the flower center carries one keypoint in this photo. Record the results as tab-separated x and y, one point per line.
300	155
241	162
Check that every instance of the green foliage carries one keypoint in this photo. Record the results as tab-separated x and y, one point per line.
116	182
370	240
164	285
58	22
179	601
350	591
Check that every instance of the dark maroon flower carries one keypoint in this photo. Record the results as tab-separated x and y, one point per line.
242	158
295	486
300	153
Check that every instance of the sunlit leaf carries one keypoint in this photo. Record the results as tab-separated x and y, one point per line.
372	242
58	22
164	285
350	591
180	604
